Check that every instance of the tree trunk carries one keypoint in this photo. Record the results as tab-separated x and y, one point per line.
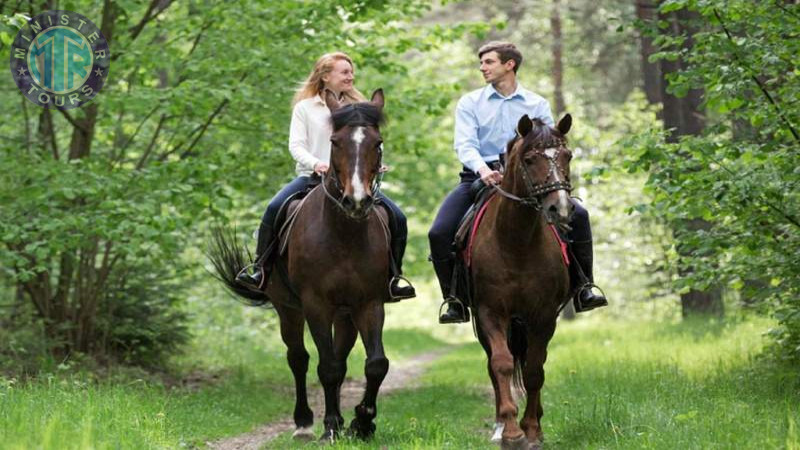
558	66
645	11
685	117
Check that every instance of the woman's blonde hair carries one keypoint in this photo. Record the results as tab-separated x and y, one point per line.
313	85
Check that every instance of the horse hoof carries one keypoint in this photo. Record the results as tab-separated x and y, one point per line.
361	431
328	437
303	434
535	446
520	443
497	436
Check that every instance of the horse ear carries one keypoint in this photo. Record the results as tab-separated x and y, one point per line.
331	101
564	124
377	98
524	126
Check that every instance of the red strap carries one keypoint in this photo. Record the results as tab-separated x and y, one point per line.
478	218
561	244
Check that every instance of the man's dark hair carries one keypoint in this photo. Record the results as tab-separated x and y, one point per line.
506	51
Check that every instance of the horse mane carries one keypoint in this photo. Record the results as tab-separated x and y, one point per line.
540	136
358	114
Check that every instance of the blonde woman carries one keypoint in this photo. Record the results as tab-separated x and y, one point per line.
310	146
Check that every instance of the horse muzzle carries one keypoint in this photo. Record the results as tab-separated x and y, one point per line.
558	208
357	209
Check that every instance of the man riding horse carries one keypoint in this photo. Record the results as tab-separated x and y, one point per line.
485	122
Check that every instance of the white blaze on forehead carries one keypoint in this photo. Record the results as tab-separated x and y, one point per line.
358	187
550	152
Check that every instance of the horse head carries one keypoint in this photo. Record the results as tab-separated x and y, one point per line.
538	167
356	151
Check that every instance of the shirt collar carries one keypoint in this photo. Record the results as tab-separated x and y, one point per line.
518	92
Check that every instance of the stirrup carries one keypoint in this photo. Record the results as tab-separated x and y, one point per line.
450	300
245	272
580	307
396	298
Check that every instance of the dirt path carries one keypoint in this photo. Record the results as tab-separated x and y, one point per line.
402	375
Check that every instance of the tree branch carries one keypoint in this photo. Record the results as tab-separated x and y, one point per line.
72	121
755	78
143	159
149	16
219	108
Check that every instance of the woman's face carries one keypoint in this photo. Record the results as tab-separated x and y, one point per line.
340	79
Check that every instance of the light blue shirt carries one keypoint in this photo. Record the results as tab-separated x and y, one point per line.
486	121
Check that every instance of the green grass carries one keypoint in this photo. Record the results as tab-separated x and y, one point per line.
612	385
248	383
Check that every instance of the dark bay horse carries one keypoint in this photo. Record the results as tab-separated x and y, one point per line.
519	273
337	265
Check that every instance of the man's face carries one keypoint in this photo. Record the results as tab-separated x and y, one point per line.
492	69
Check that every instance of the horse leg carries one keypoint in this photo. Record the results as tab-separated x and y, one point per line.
330	370
533	377
344	337
369	321
497	434
501	363
291	323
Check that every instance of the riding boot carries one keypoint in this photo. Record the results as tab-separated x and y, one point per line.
457	311
396	291
262	265
582	279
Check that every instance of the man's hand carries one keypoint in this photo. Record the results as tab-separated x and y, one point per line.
489	176
320	168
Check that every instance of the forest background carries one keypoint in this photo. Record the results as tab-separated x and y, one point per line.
685	134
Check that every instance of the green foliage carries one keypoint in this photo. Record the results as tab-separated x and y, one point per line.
741	174
191	126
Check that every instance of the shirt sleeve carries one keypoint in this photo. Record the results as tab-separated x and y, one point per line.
466	135
543	112
298	138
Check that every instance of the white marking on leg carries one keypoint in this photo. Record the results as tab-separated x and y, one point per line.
498	433
358	187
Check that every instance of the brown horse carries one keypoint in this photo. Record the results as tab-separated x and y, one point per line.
334	273
519	273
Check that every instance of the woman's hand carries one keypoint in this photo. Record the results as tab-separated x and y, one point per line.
321	168
384	168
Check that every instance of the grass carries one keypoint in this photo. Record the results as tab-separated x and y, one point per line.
617	384
610	384
244	382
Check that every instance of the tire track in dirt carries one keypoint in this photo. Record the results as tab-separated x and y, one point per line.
402	375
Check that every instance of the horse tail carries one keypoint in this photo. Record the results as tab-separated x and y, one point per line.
228	259
518	344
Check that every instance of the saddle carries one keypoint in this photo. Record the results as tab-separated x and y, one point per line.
460	285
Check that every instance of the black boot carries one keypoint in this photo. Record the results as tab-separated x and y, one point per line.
457	311
582	278
262	264
399	292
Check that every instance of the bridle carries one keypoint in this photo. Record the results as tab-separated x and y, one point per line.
535	191
376	187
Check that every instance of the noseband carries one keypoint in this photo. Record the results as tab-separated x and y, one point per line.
376	187
535	191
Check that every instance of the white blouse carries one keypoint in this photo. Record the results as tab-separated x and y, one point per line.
310	134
